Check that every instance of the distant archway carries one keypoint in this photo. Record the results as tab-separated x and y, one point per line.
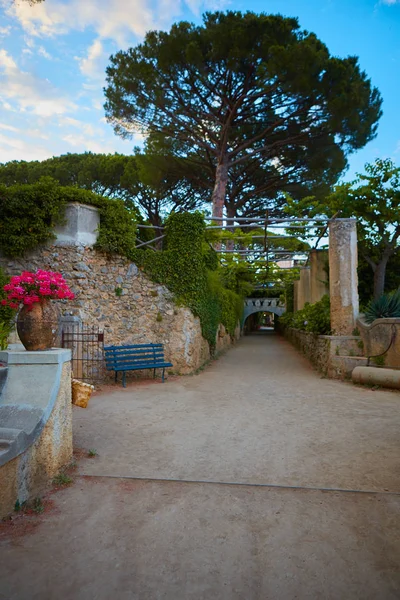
254	305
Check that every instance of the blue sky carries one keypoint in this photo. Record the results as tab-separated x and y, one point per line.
53	56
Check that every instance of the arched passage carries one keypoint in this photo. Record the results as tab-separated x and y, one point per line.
254	305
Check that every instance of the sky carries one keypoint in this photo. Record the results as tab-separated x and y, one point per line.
53	58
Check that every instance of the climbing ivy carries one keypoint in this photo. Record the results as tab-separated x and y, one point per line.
29	213
188	265
189	268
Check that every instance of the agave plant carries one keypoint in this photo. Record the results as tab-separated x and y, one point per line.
385	307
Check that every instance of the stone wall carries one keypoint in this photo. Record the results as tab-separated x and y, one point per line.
334	356
112	293
382	337
36	461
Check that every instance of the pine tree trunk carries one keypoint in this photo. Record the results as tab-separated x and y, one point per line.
379	277
218	196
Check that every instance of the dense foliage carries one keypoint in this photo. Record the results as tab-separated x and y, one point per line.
374	200
386	306
29	213
150	184
184	267
314	318
245	94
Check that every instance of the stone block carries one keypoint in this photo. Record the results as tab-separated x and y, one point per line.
81	225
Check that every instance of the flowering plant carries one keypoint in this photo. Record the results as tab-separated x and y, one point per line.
29	288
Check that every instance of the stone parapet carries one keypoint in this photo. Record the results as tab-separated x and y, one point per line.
36	423
382	337
335	356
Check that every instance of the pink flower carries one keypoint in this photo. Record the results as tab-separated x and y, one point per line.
32	287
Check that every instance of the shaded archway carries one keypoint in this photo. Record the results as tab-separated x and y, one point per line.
254	305
260	322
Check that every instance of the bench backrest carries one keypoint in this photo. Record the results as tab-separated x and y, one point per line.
133	356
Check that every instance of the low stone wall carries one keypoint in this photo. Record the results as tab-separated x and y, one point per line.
112	293
35	429
334	356
382	337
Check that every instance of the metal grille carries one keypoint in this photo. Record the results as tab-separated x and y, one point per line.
87	346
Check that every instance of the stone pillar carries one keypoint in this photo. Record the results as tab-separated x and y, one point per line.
81	225
343	280
296	295
304	288
319	276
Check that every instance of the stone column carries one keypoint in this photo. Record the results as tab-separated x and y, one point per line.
343	280
296	295
304	288
319	276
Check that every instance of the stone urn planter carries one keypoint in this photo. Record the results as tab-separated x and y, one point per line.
37	325
37	320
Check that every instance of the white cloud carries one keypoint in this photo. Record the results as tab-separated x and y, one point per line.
87	128
29	93
93	66
18	149
7	127
390	2
5	30
118	20
43	52
83	143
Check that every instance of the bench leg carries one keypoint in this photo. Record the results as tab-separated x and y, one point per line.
124	379
154	373
116	376
163	371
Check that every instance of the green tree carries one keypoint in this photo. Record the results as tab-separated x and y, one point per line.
374	200
152	183
243	87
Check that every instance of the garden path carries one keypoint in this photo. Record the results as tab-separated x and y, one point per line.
255	479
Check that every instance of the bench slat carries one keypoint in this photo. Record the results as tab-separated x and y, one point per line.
135	353
135	357
142	367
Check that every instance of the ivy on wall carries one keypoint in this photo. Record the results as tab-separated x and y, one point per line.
29	213
190	269
188	265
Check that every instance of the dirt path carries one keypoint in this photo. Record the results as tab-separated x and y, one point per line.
246	471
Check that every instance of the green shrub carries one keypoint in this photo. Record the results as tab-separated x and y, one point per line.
387	306
314	318
29	213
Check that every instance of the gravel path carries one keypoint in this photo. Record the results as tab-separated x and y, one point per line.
254	480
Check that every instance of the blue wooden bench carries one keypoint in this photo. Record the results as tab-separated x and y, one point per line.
135	358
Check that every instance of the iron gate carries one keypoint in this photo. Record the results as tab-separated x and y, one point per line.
87	348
